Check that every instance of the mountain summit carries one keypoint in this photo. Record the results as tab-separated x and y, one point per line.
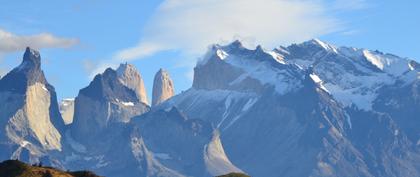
163	87
131	78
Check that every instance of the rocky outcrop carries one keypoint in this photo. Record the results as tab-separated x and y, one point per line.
67	110
163	87
217	162
131	78
103	103
30	122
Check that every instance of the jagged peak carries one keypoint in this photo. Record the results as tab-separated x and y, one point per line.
236	43
163	87
106	86
163	73
31	59
126	68
319	44
27	73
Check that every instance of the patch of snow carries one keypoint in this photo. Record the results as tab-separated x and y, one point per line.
325	45
163	156
221	54
127	103
315	78
249	104
124	103
348	119
303	64
245	108
279	58
396	132
281	79
349	97
388	63
411	67
44	88
24	143
318	81
228	102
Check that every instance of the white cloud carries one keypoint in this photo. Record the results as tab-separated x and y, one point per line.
191	25
10	42
141	50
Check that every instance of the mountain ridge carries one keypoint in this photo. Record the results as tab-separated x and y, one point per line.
309	109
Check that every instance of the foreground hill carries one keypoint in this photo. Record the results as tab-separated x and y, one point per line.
15	168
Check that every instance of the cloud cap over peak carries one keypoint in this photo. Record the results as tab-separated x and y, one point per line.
190	25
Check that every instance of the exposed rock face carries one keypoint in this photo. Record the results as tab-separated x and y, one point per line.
30	120
131	78
104	102
163	87
216	161
67	110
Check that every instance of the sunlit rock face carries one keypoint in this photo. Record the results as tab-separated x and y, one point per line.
131	78
163	87
30	121
104	102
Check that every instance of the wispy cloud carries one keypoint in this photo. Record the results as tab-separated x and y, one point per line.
191	25
143	49
10	42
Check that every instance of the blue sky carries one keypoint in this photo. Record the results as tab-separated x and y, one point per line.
79	38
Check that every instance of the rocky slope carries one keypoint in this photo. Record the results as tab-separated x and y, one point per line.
163	87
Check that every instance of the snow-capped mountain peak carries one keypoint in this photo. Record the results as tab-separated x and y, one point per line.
240	65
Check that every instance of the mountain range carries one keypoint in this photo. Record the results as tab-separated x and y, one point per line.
309	109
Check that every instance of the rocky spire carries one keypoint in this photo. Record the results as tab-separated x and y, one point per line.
131	78
163	87
31	59
27	73
31	115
